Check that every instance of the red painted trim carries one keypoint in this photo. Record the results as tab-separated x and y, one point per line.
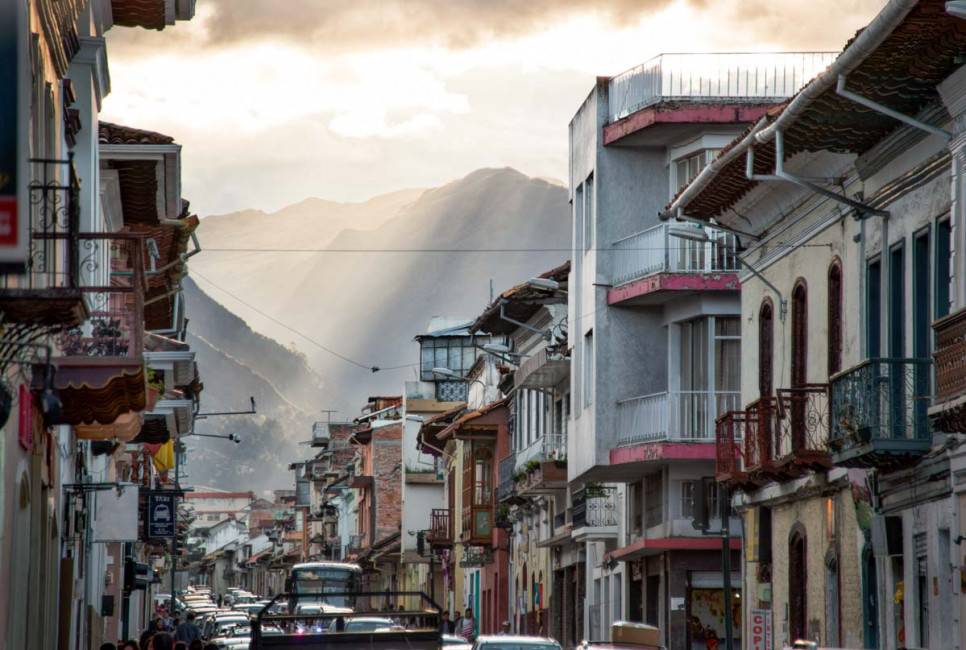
672	544
663	451
683	113
673	282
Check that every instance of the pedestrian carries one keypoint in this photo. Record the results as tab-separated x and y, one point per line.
130	644
180	645
468	626
161	641
505	628
446	625
145	641
108	646
195	645
188	631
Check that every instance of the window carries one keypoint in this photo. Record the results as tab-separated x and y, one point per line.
832	600
588	368
921	297
834	318
637	507
897	304
943	254
688	167
922	587
453	352
799	334
766	347
710	374
654	497
579	225
873	308
727	355
590	213
797	583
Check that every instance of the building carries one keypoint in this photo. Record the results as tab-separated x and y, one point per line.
845	202
654	332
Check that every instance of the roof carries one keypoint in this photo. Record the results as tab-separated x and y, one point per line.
428	433
521	303
440	326
110	133
469	417
896	61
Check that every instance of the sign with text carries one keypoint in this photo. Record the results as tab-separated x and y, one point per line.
759	630
13	129
161	515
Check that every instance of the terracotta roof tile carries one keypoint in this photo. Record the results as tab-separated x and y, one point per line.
110	133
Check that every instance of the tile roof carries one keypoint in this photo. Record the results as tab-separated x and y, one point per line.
110	133
520	303
472	415
902	73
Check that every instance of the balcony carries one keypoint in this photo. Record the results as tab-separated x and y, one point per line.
725	78
543	477
759	440
542	371
803	428
357	544
440	528
949	407
730	431
506	480
594	513
49	292
680	416
880	413
100	367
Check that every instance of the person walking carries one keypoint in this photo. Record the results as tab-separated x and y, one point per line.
188	631
505	629
468	626
446	625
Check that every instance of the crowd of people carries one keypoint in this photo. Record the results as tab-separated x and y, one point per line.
166	632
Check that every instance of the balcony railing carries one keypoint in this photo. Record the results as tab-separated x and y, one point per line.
950	356
681	415
803	426
655	251
505	486
440	527
880	412
730	430
595	507
738	77
761	426
555	446
357	544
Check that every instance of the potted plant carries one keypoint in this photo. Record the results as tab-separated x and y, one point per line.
532	466
559	459
519	476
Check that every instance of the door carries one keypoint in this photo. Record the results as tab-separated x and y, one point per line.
799	363
797	583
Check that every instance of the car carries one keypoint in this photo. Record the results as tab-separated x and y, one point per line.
218	623
162	513
368	624
513	642
248	608
453	642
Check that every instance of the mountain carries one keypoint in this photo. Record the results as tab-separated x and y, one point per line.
369	276
237	363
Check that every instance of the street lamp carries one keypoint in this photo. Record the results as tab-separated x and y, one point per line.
234	437
544	283
697	234
499	348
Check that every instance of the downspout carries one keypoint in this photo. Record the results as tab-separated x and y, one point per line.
885	110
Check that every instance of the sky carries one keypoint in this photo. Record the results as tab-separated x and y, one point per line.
277	101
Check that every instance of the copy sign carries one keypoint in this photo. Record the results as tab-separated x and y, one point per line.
759	630
161	515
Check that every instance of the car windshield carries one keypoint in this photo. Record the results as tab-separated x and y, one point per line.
516	645
367	626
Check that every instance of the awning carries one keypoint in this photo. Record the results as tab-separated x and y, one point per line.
124	428
98	389
258	556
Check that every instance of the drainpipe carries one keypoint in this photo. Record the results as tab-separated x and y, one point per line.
885	110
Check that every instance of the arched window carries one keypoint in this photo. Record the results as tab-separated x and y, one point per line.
766	346
834	318
832	600
797	584
799	334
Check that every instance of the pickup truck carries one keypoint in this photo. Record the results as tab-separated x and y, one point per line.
323	627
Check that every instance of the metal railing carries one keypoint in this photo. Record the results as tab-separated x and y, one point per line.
678	415
655	251
740	77
113	286
440	526
950	356
594	506
555	446
803	420
881	399
761	427
730	431
505	485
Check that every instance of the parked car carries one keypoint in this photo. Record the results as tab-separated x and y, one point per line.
510	642
453	642
217	624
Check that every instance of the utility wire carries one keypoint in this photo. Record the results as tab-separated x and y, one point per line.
470	250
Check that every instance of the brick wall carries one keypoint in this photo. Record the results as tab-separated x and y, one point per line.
386	458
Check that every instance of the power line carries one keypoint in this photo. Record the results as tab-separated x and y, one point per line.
471	250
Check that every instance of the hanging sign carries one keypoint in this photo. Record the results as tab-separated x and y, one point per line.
759	630
161	515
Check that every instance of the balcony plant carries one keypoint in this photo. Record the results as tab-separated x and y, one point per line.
532	466
559	459
519	476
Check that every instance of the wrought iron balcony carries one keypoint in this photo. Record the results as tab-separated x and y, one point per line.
803	428
357	544
730	430
49	292
761	427
949	407
727	77
880	413
687	416
655	251
594	506
506	484
440	528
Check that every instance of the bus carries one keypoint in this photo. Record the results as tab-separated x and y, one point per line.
311	581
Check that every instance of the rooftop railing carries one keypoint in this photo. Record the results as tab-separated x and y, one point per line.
736	77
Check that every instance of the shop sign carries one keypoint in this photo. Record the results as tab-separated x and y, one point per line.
759	630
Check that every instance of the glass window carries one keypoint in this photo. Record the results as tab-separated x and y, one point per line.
589	213
943	255
589	368
654	497
727	353
685	169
